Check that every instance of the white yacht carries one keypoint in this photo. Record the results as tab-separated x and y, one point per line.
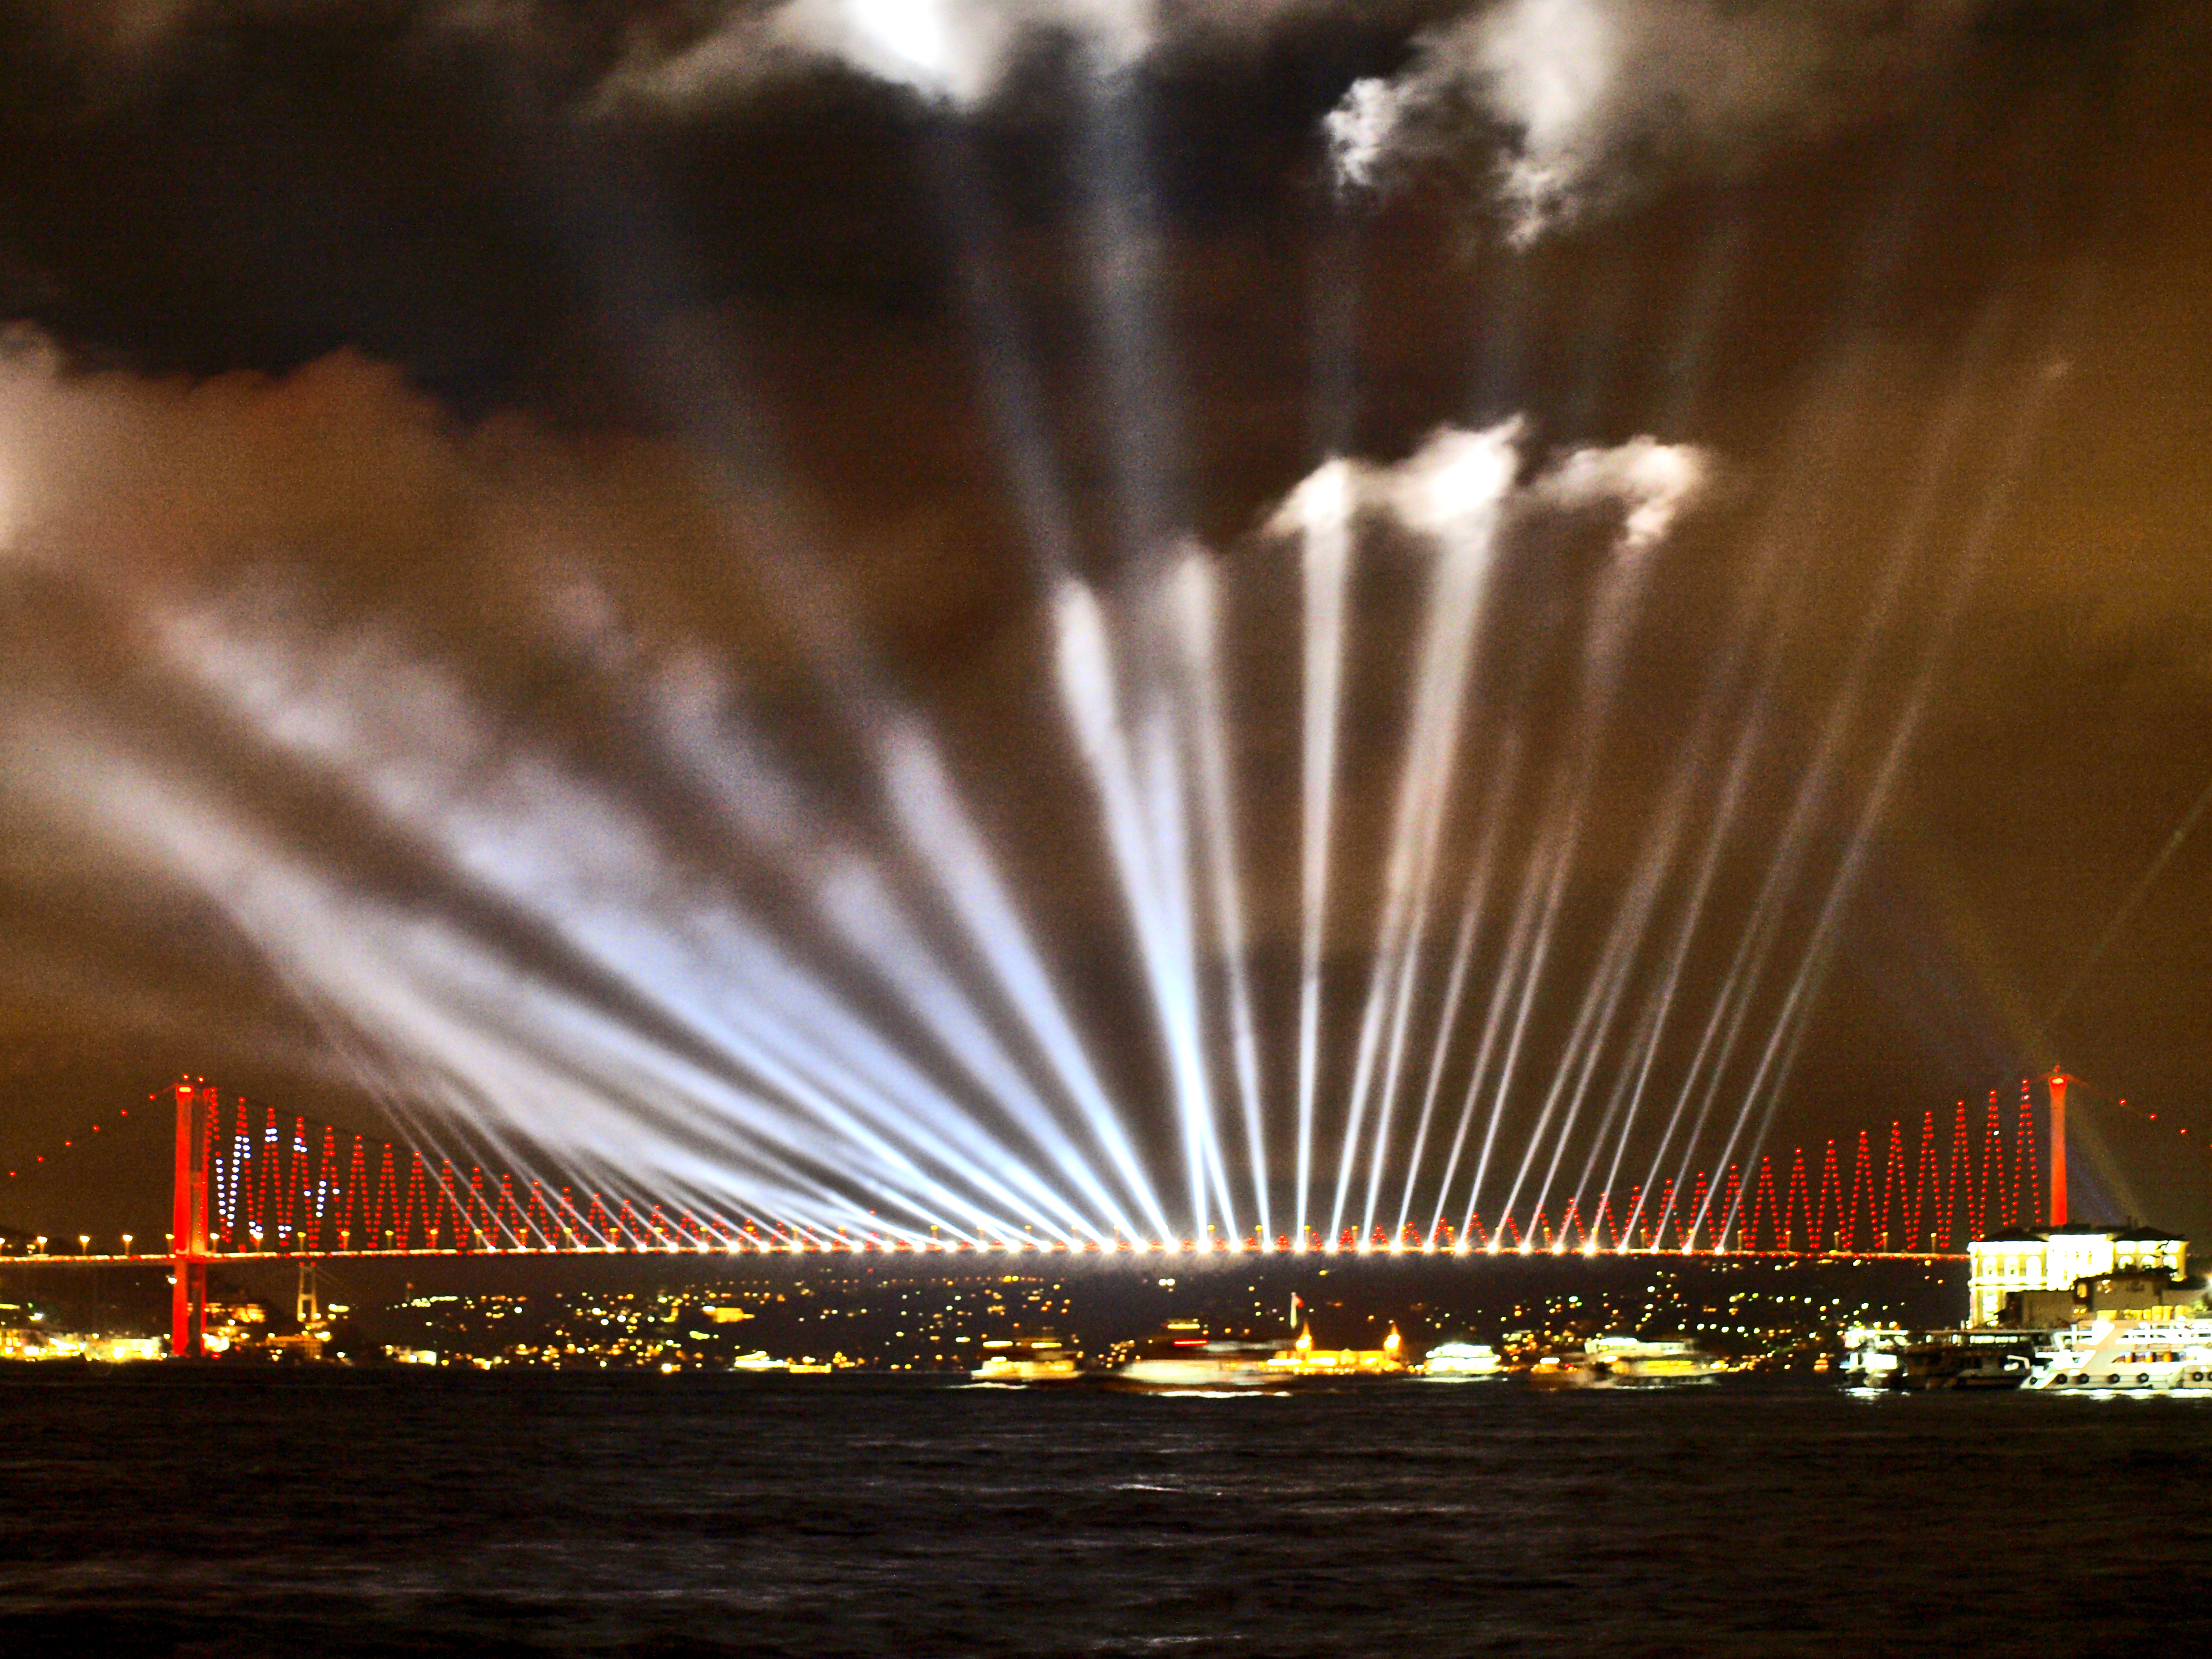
2127	1355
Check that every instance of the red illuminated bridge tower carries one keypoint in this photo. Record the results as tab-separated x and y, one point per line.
188	1231
2058	1147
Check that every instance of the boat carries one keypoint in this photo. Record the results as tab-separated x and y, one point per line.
1564	1371
1027	1361
2126	1356
1871	1355
1202	1372
1459	1361
1183	1359
1977	1357
1940	1366
1631	1359
757	1360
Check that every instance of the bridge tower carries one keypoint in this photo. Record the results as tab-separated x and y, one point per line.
2058	1147
188	1234
307	1305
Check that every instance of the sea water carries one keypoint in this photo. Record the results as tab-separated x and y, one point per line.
161	1510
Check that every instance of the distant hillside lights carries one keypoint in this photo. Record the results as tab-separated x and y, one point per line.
35	1342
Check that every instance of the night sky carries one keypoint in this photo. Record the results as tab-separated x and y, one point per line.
496	497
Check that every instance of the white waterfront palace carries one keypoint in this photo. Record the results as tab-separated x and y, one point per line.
2019	1263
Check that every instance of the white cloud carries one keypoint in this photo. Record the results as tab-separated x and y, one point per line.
1650	481
1364	126
1455	480
954	49
957	51
1459	483
1590	91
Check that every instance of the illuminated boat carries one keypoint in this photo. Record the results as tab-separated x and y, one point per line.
1942	1365
1462	1359
1980	1357
1202	1371
757	1360
1631	1359
2136	1357
1872	1355
1029	1360
1566	1371
1181	1358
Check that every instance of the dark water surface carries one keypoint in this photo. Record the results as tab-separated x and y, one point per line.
407	1513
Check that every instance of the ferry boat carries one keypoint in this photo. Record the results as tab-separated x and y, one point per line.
2137	1357
1977	1357
1462	1359
1030	1360
1202	1371
1183	1359
1940	1366
1566	1371
1631	1359
757	1360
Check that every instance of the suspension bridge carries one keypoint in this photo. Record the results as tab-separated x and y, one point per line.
250	1187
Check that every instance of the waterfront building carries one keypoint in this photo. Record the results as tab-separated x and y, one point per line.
1303	1358
2009	1267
